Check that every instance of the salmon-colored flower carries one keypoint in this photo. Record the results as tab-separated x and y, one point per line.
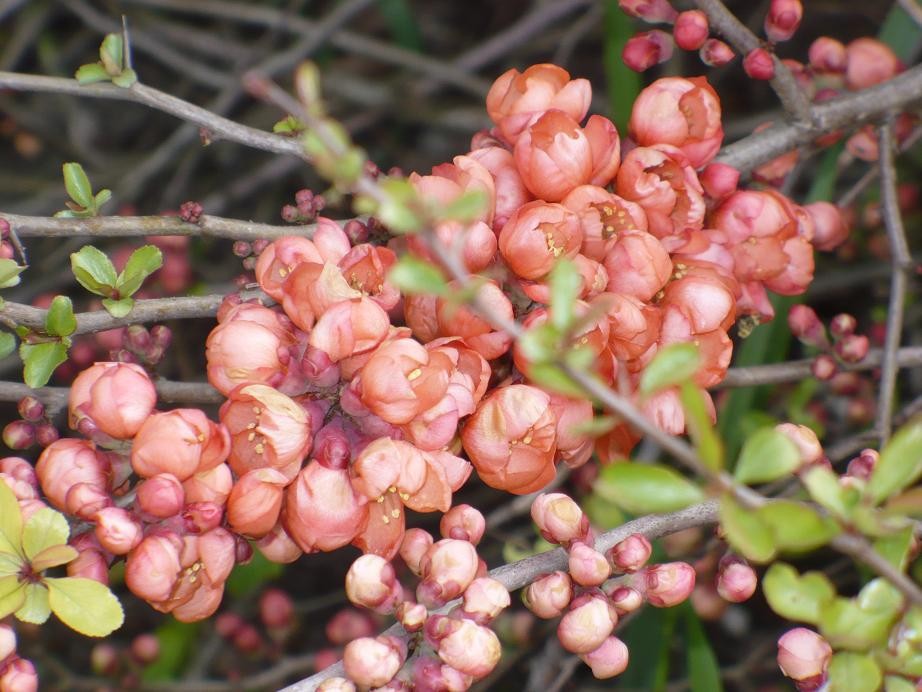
279	260
603	215
537	235
67	463
350	328
255	501
182	442
637	265
554	155
461	321
116	397
509	190
365	268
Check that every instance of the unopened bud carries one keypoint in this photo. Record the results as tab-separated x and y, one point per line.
862	465
448	567
630	554
646	49
19	676
691	29
117	530
806	326
625	599
416	542
7	642
411	615
827	55
372	583
587	624
373	662
19	434
137	338
191	212
653	11
852	348
759	64
736	580
145	648
242	248
782	19
46	434
276	609
715	53
609	660
803	655
719	180
587	566
31	409
548	596
103	659
842	325
247	639
811	451
349	624
668	584
464	523
484	599
559	519
161	496
824	367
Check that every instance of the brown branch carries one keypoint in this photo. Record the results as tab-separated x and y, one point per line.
723	21
522	572
139	226
858	548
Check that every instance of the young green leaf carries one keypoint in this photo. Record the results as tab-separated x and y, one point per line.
564	282
853	672
78	185
892	683
900	463
34	608
796	526
102	197
895	547
40	361
766	456
416	276
823	486
118	308
85	605
93	270
796	597
112	53
671	366
698	420
60	320
54	556
10	522
125	78
7	344
647	488
91	73
9	273
551	377
12	595
746	531
45	528
143	262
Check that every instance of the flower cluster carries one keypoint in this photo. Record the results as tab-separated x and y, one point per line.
17	674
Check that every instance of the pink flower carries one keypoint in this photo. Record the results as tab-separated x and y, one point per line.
684	113
322	510
509	189
553	156
637	265
182	442
365	268
255	502
803	655
117	530
603	216
517	99
278	546
213	485
161	496
461	321
153	566
537	235
69	462
279	260
349	328
116	397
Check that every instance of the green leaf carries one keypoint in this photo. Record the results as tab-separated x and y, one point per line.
60	320
540	343
851	672
672	365
45	528
85	605
708	444
118	308
766	456
417	276
564	282
9	273
823	486
895	548
647	488
467	207
94	270
397	210
796	526
78	185
91	73
54	556
862	622
125	78
552	378
12	595
746	531
893	683
796	597
287	126
7	344
112	53
34	608
102	197
10	522
143	262
900	463
41	360
703	669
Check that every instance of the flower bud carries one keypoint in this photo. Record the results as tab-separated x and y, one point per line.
213	485
67	463
19	434
145	648
153	567
431	675
255	501
116	397
587	624
869	62
668	584
803	656
827	55
625	599
104	659
548	596
90	564
372	583
464	523
759	64
691	29
824	367
862	465
607	661
447	569
736	580
161	496
117	530
719	180
630	554
715	53
322	509
182	442
7	642
31	409
278	546
276	609
782	19
373	662
644	50
484	599
852	348
588	567
842	325
411	615
348	624
470	648
247	639
559	519
830	227
537	234
811	451
653	11
413	548
806	326
46	434
200	517
19	676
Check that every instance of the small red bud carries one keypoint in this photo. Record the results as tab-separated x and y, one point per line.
715	53
653	11
691	29
646	49
759	64
242	248
736	580
824	367
31	409
852	348
782	19
19	434
842	325
145	648
806	326
191	212
276	609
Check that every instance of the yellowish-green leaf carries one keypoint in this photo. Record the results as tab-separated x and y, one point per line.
143	262
125	79
417	276
10	522
823	486
91	73
54	556
60	320
797	597
94	270
78	185
745	531
796	526
707	442
852	672
45	528
892	683
767	455
10	563
467	207
895	547
40	361
672	365
646	488
85	605
112	53
900	463
118	308
34	608
7	344
9	273
12	594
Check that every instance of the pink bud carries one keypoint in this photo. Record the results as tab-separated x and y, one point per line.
736	580
827	55
19	434
448	568
348	624
803	655
85	500
782	19
464	523
644	50
31	409
145	648
668	584
484	599
415	545
278	546
117	530
653	11
691	29
625	599
276	609
182	442
587	624
322	509
630	554
247	639
373	662
842	324
471	649
161	496
759	64
336	684
213	485
7	642
869	62
609	660
830	227
588	567
255	501
411	615
431	675
559	519
153	567
104	659
824	367
90	564
715	53
806	326
852	348
117	397
862	465
68	462
372	583
811	451
548	596
719	180
19	676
